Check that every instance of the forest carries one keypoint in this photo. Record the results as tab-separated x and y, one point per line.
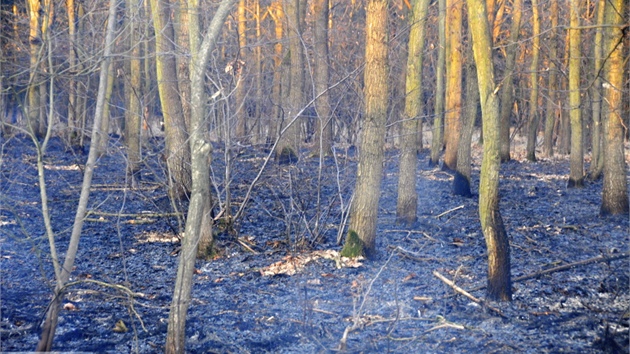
314	176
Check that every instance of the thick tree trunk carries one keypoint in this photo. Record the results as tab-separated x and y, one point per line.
499	278
615	190
576	176
407	204
462	180
240	111
437	135
362	231
277	13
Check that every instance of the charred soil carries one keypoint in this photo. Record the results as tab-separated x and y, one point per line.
308	299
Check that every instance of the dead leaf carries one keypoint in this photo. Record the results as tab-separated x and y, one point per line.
409	277
69	307
120	327
458	242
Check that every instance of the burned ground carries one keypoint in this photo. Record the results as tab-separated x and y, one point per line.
392	303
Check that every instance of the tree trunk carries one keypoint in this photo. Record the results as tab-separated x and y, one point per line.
133	92
615	189
437	134
241	89
407	204
576	176
362	230
323	130
35	45
552	108
277	14
597	157
462	180
177	148
287	148
499	278
532	129
197	221
452	119
103	142
507	99
50	323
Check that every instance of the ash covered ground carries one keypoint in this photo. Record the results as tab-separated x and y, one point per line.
391	303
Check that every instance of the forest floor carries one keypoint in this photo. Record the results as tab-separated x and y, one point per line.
305	302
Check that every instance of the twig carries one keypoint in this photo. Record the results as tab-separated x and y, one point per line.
450	211
465	293
415	255
150	215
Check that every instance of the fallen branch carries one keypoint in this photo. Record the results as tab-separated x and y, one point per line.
415	255
597	259
450	211
136	215
465	293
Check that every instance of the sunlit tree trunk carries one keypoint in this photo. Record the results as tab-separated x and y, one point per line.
407	204
597	156
362	230
104	140
437	134
532	129
499	278
576	176
258	72
552	86
241	89
507	99
133	92
277	14
73	133
453	112
287	148
615	189
180	25
177	149
199	210
323	130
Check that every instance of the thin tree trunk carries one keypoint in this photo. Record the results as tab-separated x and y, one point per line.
452	119
133	90
532	129
407	203
177	148
241	89
362	230
595	169
576	176
552	87
323	130
103	142
499	278
50	323
35	46
277	14
197	221
437	140
507	99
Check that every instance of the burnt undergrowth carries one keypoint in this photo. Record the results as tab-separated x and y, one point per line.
391	303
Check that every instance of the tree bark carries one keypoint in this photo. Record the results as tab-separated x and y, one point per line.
133	92
532	129
177	148
241	89
198	211
287	149
452	115
407	203
499	278
437	135
615	189
323	130
576	176
507	99
597	156
362	231
552	87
